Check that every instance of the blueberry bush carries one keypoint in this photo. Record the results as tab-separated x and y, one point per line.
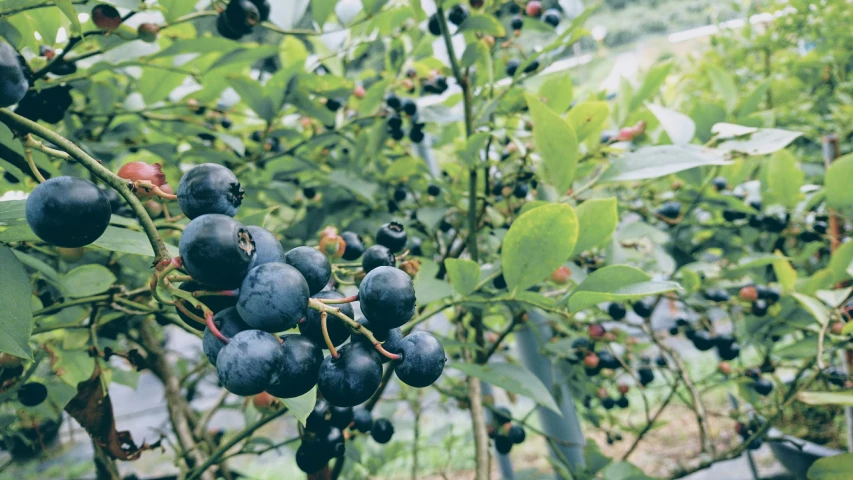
351	205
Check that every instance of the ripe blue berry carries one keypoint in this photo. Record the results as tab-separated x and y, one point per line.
310	460
393	236
312	264
355	246
503	444
516	23
646	375
516	434
643	308
68	212
249	363
702	340
340	417
273	297
551	17
423	360
670	210
267	248
217	250
759	308
434	25
32	394
229	323
299	368
13	83
393	101
409	106
616	311
339	332
382	430
362	420
351	378
763	386
512	67
387	297
209	188
377	256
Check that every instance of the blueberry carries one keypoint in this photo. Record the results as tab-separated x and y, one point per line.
299	368
808	236
434	24
242	16
607	360
393	102
309	192
503	444
339	332
440	83
521	190
729	352
387	297
416	134
499	282
397	134
377	256
720	183
423	360
393	236
216	303
646	375
723	341
355	246
229	323
551	17
617	311
409	107
267	248
263	9
217	250
332	444
702	340
763	386
643	308
209	188
457	14
13	83
68	212
362	420
622	402
756	221
516	434
273	297
732	215
249	363
511	67
32	394
670	210
313	265
607	403
759	308
516	23
776	223
351	378
820	227
400	194
382	430
310	460
532	66
433	190
333	104
316	421
341	417
391	339
501	415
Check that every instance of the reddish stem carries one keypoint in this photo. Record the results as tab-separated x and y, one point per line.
208	317
221	293
325	327
381	350
337	301
179	304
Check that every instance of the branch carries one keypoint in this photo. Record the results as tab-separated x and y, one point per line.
19	123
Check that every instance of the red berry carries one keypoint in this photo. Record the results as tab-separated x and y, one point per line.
748	294
740	428
724	368
561	275
623	389
625	135
590	360
596	331
106	17
148	32
837	327
534	8
602	392
359	92
145	172
264	402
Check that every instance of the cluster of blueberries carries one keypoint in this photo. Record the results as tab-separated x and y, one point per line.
240	17
503	432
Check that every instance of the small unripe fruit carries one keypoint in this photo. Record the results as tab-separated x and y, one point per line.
143	172
533	9
748	294
596	331
590	360
623	389
561	275
106	17
359	92
725	368
837	328
148	32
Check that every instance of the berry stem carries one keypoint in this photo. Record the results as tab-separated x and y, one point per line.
150	187
324	325
316	304
214	293
208	319
381	350
28	155
338	301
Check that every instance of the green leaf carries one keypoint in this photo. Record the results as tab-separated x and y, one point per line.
483	23
470	156
586	117
690	280
724	84
512	378
837	182
814	306
474	52
782	179
785	273
68	10
87	280
597	219
128	241
321	9
354	183
827	398
652	82
556	143
753	100
557	91
464	275
252	93
678	126
841	262
17	319
538	242
301	406
659	161
175	9
623	471
762	142
837	467
616	283
34	263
